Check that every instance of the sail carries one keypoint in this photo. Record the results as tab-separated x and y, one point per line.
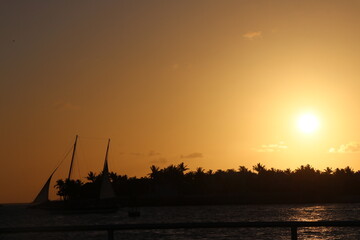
43	195
106	189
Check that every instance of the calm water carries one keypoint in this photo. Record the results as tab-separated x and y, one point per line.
19	215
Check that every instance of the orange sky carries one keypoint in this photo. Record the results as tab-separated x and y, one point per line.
216	84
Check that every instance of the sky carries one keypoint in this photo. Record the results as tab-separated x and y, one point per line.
213	84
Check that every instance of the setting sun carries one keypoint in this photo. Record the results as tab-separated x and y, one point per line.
308	123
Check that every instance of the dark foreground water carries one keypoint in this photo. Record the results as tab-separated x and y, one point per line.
19	215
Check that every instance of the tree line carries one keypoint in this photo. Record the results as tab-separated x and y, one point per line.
175	184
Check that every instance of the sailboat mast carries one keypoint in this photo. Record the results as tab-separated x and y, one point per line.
106	189
106	168
73	157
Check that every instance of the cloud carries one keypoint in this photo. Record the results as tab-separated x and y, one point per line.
349	147
160	160
65	106
277	147
252	35
153	153
136	154
193	155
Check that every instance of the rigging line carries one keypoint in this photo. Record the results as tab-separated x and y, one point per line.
78	166
120	155
83	161
66	155
77	158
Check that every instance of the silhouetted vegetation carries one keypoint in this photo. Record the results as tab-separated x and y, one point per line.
175	184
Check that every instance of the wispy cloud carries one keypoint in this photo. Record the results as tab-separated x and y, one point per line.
193	155
137	153
252	35
65	106
277	147
349	147
160	160
153	153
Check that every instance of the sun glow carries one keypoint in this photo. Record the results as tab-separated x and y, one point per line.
308	123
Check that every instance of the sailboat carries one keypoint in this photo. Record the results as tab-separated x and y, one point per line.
105	202
106	189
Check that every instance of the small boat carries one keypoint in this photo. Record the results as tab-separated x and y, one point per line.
105	203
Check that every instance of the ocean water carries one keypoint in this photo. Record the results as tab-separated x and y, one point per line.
20	215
